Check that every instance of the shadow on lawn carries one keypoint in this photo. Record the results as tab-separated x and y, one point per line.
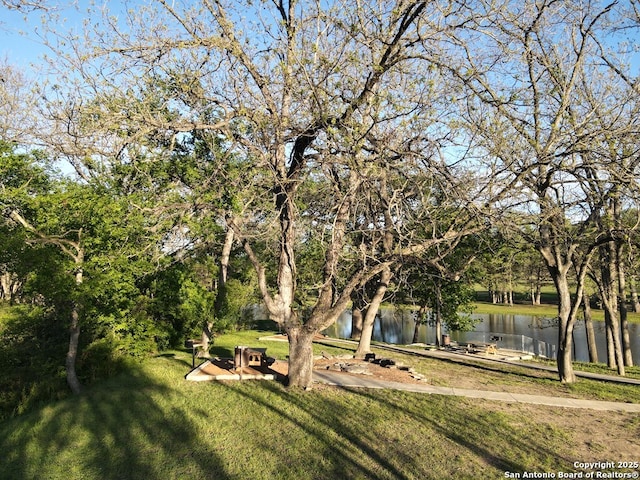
358	433
500	440
123	432
341	450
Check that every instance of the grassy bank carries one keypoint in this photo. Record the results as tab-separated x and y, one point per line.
151	423
545	310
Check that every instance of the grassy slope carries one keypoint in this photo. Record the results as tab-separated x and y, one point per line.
151	423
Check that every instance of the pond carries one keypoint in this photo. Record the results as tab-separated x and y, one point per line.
535	335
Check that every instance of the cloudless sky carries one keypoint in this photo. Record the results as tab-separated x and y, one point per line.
21	47
19	42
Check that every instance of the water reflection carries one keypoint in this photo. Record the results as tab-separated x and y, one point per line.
520	332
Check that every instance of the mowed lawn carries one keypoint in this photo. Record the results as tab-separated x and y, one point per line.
152	424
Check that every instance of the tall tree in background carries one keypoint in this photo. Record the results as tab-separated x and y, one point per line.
616	185
525	70
102	250
24	184
361	106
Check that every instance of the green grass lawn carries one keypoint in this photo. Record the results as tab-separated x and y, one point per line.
155	425
150	423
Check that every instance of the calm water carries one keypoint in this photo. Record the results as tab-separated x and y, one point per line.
520	332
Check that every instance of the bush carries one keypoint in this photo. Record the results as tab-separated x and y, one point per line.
102	359
33	343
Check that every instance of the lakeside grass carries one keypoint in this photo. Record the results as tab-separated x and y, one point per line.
544	310
151	423
599	368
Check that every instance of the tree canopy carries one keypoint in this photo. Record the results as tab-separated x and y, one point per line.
330	144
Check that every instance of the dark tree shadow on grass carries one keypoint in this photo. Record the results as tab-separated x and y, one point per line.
498	438
340	450
179	360
116	431
353	431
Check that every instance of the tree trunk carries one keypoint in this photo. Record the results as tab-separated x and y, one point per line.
565	324
72	351
438	312
5	287
364	346
9	287
588	325
565	344
356	316
207	327
611	357
492	294
438	329
609	296
634	295
535	293
205	339
76	251
357	323
627	356
536	288
614	346
74	337
565	367
300	356
416	332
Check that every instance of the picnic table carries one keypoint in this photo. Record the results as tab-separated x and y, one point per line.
193	344
479	347
249	357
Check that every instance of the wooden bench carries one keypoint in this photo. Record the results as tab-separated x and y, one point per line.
193	344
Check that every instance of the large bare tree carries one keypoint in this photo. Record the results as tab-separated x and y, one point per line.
293	87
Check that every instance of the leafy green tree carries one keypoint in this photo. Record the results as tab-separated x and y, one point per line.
443	303
100	242
442	286
12	261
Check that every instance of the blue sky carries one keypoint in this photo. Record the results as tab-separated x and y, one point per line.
19	42
20	45
17	37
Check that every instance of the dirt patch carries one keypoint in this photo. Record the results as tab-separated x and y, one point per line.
398	372
590	436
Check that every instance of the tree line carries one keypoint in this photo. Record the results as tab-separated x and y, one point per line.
347	152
